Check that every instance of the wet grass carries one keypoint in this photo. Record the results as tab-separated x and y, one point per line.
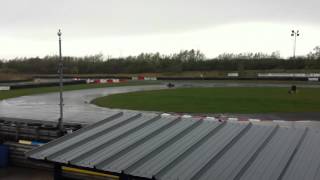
41	90
217	100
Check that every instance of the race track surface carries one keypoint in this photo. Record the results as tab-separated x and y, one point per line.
77	107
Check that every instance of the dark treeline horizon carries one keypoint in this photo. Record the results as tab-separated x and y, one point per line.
186	60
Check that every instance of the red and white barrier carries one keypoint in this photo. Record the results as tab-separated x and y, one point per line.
233	74
104	81
142	78
314	75
313	79
4	88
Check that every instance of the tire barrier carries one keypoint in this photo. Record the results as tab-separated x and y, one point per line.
14	81
22	85
22	135
16	129
17	156
4	155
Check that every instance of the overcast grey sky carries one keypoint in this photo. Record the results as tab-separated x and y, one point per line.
124	27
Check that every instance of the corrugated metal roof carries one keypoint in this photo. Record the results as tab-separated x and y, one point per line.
150	146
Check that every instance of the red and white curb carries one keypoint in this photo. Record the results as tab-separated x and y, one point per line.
223	118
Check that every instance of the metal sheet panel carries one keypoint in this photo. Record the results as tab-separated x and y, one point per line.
241	153
152	145
212	146
273	159
306	163
99	153
147	145
58	144
165	158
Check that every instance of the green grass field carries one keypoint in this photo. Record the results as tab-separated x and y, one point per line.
217	100
40	90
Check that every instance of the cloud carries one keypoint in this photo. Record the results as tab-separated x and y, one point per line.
231	38
128	17
29	27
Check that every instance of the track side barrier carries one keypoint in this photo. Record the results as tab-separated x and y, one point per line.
143	78
4	88
22	85
104	81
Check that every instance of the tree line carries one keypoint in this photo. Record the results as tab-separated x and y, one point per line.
187	60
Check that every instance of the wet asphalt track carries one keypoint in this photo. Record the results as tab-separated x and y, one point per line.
77	107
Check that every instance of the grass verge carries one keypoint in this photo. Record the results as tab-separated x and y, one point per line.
217	100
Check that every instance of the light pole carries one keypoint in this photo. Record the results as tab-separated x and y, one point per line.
295	34
60	125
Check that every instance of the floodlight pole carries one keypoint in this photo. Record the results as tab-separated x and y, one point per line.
295	34
60	125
